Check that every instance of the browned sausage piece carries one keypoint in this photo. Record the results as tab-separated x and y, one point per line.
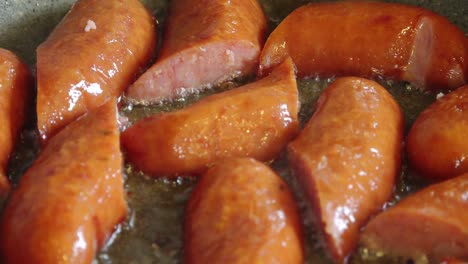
371	39
68	202
205	43
347	158
91	56
437	143
15	97
242	212
431	222
256	120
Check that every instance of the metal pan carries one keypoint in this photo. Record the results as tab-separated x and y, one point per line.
153	231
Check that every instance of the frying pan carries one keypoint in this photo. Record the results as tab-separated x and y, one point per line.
153	231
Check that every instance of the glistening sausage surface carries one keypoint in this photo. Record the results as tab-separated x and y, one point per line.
437	143
15	97
256	120
242	212
95	52
371	39
347	158
432	222
68	202
205	43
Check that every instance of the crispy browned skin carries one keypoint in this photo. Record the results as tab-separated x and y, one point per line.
256	120
77	70
371	39
437	143
15	97
205	42
68	202
242	212
347	158
432	221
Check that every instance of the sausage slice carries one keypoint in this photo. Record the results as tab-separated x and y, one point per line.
437	143
371	39
242	212
256	120
205	43
68	202
347	158
431	222
95	52
15	97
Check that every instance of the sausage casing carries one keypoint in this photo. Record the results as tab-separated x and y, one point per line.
256	120
95	52
347	158
242	212
205	43
68	202
15	97
437	143
371	39
432	222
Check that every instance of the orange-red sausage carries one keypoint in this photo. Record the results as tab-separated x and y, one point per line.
95	52
68	202
431	222
371	39
437	143
205	43
242	212
256	120
347	158
15	97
